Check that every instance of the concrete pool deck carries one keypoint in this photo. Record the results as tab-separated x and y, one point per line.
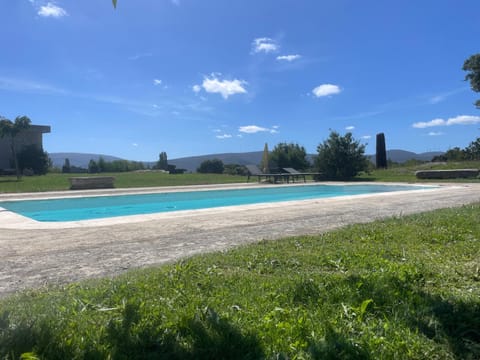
37	254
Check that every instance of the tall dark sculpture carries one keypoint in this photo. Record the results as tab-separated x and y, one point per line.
381	158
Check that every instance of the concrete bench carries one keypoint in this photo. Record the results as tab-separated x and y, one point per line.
91	182
447	174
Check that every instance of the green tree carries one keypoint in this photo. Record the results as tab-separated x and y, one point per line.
162	163
381	154
472	151
265	164
66	168
101	164
439	158
92	167
341	157
34	158
11	129
472	65
214	166
289	155
235	169
455	154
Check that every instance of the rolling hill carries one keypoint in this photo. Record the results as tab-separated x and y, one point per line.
193	162
78	159
400	156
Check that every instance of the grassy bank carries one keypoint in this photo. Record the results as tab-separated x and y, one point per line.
405	288
406	172
52	182
55	181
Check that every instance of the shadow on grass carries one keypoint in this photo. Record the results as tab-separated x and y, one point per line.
205	336
459	322
452	320
397	297
336	346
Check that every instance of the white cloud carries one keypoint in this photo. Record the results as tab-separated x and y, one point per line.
134	144
157	82
225	88
435	133
366	137
434	122
264	44
252	129
289	58
224	136
139	56
444	96
464	120
196	88
326	90
51	10
458	120
437	99
350	127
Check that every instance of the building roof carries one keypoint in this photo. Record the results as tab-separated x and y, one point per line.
39	128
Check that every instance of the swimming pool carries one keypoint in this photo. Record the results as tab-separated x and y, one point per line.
97	207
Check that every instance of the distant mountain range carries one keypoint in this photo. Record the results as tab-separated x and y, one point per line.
193	162
78	159
400	156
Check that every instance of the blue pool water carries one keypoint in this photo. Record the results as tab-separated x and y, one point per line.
72	209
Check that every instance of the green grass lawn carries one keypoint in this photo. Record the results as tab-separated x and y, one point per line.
55	181
52	182
404	288
406	172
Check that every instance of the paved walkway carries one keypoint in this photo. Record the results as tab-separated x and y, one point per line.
33	257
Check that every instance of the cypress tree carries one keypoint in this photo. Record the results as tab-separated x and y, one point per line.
381	158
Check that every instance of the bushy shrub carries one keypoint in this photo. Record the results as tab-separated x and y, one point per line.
289	156
214	166
33	158
235	169
93	167
341	157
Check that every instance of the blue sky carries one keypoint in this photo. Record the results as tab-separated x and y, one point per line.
193	77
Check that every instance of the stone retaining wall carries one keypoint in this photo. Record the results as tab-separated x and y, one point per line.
91	182
447	174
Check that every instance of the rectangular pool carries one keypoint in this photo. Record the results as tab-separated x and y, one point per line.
96	207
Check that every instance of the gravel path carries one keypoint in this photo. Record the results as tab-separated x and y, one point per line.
32	258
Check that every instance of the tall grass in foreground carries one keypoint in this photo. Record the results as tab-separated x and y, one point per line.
404	288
